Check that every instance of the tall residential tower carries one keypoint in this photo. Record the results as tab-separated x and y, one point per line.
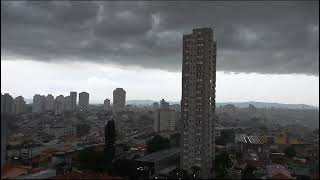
119	99
83	101
198	101
73	96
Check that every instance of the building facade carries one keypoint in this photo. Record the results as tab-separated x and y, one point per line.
73	96
198	101
20	105
119	99
164	104
7	104
49	103
83	101
155	105
165	120
38	104
4	130
2	103
67	103
59	104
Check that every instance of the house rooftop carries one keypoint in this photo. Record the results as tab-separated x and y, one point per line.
243	138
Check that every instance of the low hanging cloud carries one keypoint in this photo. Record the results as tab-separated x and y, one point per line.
261	37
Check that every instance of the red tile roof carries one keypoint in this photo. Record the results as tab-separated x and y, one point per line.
276	171
12	171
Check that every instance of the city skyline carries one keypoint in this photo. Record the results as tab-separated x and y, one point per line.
159	90
303	85
269	57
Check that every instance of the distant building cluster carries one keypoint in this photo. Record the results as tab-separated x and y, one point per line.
10	105
58	105
61	104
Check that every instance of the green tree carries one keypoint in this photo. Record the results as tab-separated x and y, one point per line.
110	138
110	133
221	165
290	151
158	143
239	155
179	174
82	129
175	139
226	136
124	168
92	160
248	172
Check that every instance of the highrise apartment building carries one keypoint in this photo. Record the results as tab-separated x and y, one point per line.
59	104
198	101
155	105
49	103
119	99
106	104
83	101
164	104
2	103
67	103
165	120
73	96
7	104
38	104
20	105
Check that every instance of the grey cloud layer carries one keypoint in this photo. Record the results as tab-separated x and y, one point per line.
263	37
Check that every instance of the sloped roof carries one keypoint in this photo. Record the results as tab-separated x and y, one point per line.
12	171
277	170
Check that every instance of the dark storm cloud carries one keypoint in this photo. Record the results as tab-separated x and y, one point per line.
263	37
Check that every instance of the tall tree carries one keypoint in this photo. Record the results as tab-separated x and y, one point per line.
158	143
110	138
222	164
110	133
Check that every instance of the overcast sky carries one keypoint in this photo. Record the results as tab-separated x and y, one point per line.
267	51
